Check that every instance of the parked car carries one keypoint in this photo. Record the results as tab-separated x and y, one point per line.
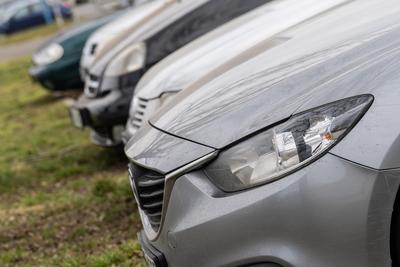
21	15
215	53
117	4
290	159
110	85
56	63
110	35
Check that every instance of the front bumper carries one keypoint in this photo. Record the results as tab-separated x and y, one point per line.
105	114
58	76
330	213
153	257
129	131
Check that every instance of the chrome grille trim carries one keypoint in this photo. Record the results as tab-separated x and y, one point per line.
139	115
153	220
93	49
148	187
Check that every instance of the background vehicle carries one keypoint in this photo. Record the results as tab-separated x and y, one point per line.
215	53
56	63
113	4
290	159
108	36
20	15
111	82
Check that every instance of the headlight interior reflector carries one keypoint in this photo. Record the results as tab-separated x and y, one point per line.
49	54
287	147
129	60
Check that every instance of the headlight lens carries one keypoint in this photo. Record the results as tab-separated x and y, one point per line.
167	97
130	60
49	54
287	147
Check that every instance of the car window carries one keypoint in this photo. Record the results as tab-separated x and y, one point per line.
21	13
37	8
205	18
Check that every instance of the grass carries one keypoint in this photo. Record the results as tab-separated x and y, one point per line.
63	201
37	32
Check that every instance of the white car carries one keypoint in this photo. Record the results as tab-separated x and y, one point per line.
113	33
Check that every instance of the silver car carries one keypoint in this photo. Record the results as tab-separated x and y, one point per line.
290	159
110	84
110	35
217	52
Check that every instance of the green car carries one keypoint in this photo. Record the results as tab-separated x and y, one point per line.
56	63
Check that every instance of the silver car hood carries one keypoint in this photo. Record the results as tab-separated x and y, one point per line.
330	57
248	32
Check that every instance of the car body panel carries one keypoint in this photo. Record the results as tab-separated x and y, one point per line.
331	213
323	66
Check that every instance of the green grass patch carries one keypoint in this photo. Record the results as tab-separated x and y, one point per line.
37	138
63	201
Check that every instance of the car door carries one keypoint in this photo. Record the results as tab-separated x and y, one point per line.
37	14
26	17
20	19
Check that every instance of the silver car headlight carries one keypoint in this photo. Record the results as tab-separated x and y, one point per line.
131	59
287	147
49	54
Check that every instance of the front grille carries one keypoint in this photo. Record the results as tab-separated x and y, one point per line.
92	85
94	78
93	49
139	115
148	187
